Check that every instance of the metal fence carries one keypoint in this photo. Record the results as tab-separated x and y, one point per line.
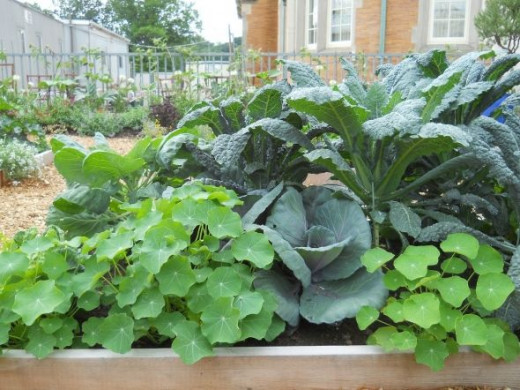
158	70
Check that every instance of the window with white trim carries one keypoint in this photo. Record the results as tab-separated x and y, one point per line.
311	23
449	21
340	21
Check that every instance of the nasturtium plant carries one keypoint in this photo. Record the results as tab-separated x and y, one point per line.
441	300
156	277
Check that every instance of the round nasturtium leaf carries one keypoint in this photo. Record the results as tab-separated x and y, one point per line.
375	258
422	309
89	300
4	333
493	289
40	343
117	333
54	264
454	265
224	282
51	324
41	298
149	304
394	311
90	330
383	337
249	303
431	353
414	261
471	330
36	245
404	341
190	344
220	321
223	223
366	316
449	317
253	247
453	290
495	342
176	277
462	244
165	323
394	280
12	263
488	260
511	347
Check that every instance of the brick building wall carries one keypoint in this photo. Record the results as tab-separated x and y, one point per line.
402	17
260	20
367	26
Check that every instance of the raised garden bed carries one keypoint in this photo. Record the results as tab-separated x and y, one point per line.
331	367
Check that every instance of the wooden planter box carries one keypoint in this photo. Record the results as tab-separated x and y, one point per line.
251	368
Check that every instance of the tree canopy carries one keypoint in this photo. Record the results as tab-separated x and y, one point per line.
144	22
500	23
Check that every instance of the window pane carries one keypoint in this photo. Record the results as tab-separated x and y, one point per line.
440	29
456	29
458	10
335	34
441	10
336	18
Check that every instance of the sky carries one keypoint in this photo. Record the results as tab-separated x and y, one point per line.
216	16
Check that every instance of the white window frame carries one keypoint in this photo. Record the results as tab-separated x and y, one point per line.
308	44
331	43
448	40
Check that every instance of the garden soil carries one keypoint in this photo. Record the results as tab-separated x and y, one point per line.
24	204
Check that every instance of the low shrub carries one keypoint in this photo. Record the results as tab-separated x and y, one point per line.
17	159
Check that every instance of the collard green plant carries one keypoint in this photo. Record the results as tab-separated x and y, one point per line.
441	301
99	180
177	270
319	239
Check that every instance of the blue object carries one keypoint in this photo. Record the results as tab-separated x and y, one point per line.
492	108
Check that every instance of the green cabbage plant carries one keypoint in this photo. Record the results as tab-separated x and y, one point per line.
320	239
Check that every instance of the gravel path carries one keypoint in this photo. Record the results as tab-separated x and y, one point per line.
25	205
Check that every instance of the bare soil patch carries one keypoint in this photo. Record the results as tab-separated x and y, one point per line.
25	204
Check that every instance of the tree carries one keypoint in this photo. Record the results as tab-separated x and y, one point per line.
82	9
144	22
500	22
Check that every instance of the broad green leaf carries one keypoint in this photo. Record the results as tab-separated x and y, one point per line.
142	224
198	298
82	224
190	343
233	111
51	324
223	223
283	131
89	300
207	115
487	260
65	335
224	282
117	333
248	303
81	198
165	323
438	96
261	205
132	286
149	304
41	298
431	353
462	244
176	277
394	280
403	219
454	265
91	331
449	317
253	247
302	74
84	281
12	263
266	103
54	264
228	148
375	258
332	301
187	212
415	260
422	309
383	337
36	245
394	311
453	290
103	166
115	245
69	163
404	341
495	343
511	347
493	289
366	316
4	333
220	321
40	343
471	330
256	326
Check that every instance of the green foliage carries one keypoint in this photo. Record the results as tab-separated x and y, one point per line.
319	239
432	311
499	22
150	277
17	159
